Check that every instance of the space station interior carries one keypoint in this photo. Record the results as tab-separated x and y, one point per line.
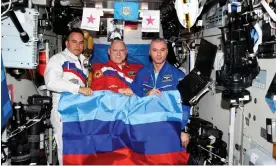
225	48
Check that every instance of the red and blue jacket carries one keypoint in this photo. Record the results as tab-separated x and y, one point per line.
109	76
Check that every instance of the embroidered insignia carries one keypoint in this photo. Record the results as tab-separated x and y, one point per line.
126	10
98	74
167	78
74	81
131	73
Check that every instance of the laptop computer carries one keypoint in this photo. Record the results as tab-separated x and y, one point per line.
199	77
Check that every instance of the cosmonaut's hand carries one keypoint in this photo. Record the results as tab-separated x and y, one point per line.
185	139
85	91
126	91
154	91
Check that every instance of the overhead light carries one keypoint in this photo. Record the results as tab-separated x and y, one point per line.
144	5
98	5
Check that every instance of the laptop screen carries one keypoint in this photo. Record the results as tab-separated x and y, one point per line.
205	57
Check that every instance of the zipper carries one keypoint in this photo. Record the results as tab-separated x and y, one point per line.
153	81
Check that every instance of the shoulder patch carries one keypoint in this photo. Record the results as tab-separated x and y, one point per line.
131	73
98	74
74	81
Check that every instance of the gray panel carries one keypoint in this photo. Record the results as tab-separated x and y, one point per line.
217	18
16	53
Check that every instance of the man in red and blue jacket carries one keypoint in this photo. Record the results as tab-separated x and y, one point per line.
115	75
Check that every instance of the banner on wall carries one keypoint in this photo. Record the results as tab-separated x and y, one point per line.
151	21
127	11
91	19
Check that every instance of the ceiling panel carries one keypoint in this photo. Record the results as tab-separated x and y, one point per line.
152	4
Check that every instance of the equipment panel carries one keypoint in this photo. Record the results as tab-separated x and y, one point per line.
16	53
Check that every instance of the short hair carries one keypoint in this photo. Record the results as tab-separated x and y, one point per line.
115	40
159	40
75	30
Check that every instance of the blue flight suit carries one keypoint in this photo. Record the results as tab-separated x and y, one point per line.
167	79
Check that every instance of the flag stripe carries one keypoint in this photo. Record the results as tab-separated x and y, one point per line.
271	103
3	77
106	71
6	107
109	106
71	68
75	73
126	156
91	137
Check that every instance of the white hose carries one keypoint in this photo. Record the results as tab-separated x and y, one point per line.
269	10
10	3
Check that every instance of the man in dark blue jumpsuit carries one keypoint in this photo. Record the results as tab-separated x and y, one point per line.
160	76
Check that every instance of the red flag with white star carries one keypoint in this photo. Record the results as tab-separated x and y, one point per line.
151	21
91	19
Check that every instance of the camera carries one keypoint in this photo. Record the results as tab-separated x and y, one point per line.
206	145
26	131
240	63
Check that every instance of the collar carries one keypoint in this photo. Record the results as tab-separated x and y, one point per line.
71	55
114	65
163	69
161	73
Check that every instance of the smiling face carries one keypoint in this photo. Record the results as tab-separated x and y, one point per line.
75	43
158	52
118	52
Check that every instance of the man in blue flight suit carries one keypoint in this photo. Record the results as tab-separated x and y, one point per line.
160	76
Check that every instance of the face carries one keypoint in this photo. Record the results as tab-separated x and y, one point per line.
158	52
75	43
118	52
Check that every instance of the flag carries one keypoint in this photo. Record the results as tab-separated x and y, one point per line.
131	25
151	21
126	11
6	109
270	96
136	53
91	19
109	128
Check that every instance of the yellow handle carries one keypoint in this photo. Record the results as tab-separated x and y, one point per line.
89	80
